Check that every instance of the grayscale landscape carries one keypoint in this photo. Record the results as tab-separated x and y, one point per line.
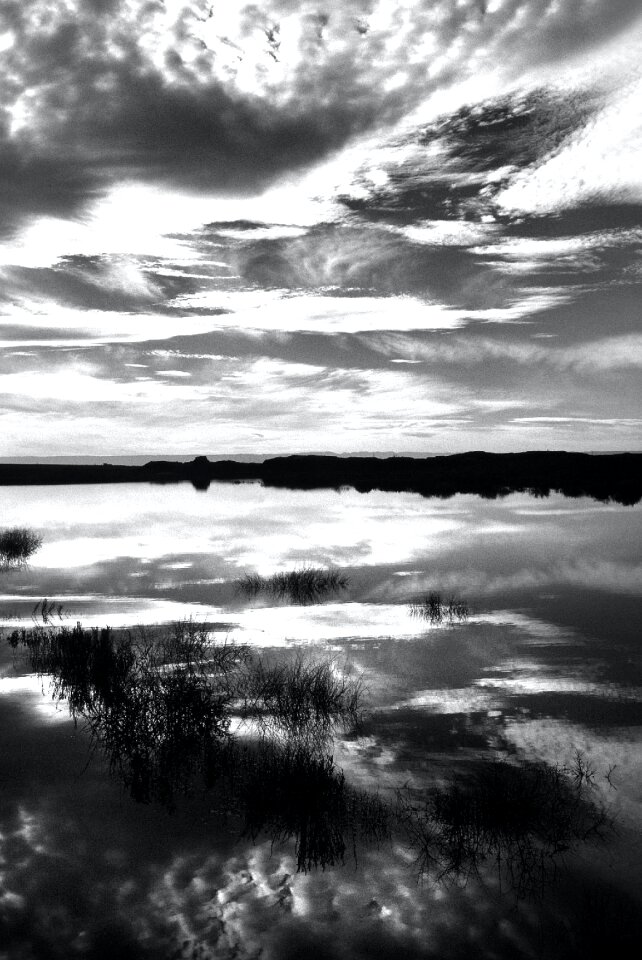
320	480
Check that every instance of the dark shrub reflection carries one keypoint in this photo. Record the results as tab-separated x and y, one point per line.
161	705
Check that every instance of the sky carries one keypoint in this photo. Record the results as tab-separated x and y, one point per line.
286	226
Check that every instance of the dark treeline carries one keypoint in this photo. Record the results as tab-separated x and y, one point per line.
615	477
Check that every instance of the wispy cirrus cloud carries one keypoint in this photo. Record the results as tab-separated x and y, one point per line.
608	353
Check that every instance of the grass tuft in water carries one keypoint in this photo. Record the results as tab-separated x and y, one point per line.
436	610
17	545
160	702
300	696
302	586
153	703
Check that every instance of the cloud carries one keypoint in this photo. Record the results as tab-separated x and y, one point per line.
603	421
368	260
598	163
95	93
378	288
607	353
84	389
453	167
41	324
231	404
91	282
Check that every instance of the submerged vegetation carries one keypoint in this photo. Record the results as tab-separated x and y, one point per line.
303	585
17	545
291	789
300	697
47	610
521	817
160	705
436	610
177	714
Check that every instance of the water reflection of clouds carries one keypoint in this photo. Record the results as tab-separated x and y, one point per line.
32	693
234	525
188	886
198	899
125	539
623	577
99	611
533	682
326	623
556	740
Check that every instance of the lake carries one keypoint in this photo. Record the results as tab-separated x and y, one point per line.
544	668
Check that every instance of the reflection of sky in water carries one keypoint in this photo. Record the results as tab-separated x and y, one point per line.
547	663
178	543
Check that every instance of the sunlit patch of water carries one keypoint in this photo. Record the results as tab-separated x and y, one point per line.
531	627
324	623
33	692
529	683
455	700
19	610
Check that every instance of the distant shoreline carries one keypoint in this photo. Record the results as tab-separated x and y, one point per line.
604	477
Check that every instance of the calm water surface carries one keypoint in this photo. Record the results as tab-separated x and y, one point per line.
547	664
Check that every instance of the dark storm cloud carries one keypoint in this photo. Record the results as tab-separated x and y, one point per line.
515	130
462	160
99	110
111	90
42	185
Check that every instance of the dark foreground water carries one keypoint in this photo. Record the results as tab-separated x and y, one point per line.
548	664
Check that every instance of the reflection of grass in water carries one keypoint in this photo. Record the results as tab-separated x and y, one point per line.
300	696
17	545
47	611
521	817
149	702
160	705
293	789
303	585
436	610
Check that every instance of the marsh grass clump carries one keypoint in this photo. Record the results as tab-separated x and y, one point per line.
300	696
154	704
87	667
302	586
160	702
187	646
436	610
520	817
17	545
159	705
290	791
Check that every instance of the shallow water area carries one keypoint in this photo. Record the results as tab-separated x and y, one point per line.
547	663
